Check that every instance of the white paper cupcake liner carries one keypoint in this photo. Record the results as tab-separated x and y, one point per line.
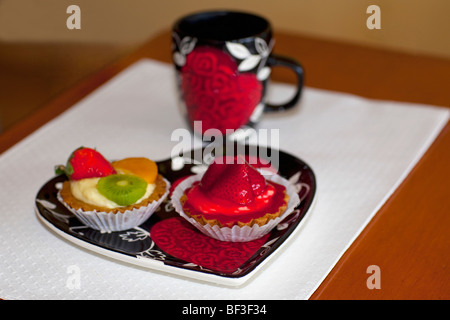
236	233
109	222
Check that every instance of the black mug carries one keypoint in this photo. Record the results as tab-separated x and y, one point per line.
223	60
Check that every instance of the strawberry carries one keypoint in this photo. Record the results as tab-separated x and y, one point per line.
85	163
237	182
233	185
257	181
211	175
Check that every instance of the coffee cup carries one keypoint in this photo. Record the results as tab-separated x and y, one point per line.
223	61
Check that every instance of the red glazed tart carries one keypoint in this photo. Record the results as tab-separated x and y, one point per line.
233	196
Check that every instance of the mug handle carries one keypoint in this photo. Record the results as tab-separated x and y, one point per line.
280	61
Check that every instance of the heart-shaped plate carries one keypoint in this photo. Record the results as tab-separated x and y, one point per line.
168	243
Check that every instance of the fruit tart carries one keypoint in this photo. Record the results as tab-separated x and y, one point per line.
111	196
233	201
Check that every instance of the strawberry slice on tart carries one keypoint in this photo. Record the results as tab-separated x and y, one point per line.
239	181
85	163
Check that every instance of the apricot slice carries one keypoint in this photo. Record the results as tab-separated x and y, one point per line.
138	166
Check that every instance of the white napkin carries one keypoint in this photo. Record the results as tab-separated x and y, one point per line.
360	150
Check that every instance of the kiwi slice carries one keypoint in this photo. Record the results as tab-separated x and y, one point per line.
123	189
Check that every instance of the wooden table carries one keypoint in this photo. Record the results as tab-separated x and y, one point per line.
409	238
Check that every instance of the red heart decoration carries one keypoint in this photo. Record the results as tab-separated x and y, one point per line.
215	92
180	239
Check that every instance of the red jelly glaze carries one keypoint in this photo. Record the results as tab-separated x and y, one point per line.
226	212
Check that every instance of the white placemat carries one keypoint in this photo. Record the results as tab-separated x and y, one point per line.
360	150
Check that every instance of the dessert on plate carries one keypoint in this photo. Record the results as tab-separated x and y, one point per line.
111	196
233	201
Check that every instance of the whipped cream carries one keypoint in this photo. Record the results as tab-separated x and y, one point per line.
86	190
